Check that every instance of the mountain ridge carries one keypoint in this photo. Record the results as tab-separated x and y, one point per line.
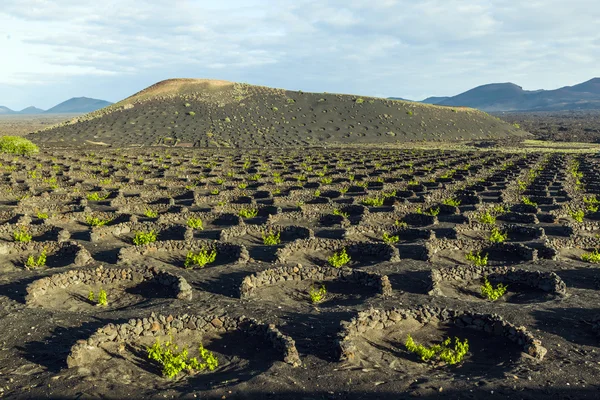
74	105
498	97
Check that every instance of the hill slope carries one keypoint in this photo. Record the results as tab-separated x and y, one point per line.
78	105
199	112
497	97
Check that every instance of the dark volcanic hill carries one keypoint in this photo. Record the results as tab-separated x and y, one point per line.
200	112
510	97
78	105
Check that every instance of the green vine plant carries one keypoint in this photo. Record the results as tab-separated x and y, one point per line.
317	295
195	223
498	236
173	361
33	262
451	202
577	215
96	196
42	215
389	239
271	239
95	221
491	293
142	238
477	259
101	301
339	259
340	213
432	211
486	218
445	351
200	259
151	213
593	257
373	201
248	212
22	236
527	201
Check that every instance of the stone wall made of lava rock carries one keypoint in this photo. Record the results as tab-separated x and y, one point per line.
583	242
532	232
58	249
273	276
356	250
290	232
376	319
176	285
161	325
546	281
524	252
225	251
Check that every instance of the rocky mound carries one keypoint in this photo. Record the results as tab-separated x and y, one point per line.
209	113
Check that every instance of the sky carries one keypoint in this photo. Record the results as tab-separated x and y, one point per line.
53	50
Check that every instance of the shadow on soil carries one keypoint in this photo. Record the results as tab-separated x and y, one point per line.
572	324
52	352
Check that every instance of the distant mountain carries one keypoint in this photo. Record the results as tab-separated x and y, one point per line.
434	100
31	110
510	97
5	110
78	105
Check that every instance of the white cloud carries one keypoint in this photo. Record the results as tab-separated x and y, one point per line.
396	47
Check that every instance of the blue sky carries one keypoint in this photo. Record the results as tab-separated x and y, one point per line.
109	49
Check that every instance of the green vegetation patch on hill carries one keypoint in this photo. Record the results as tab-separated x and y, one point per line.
208	113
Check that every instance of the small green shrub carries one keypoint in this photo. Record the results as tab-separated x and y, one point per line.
433	211
477	259
359	100
593	257
497	236
339	259
248	212
173	362
451	202
445	352
527	201
96	196
373	201
389	239
32	262
491	293
271	239
317	295
141	238
577	215
486	218
21	235
151	213
340	213
200	259
95	221
42	215
195	223
17	145
400	224
102	300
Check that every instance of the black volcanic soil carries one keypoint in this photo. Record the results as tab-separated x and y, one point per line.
36	339
203	113
563	126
